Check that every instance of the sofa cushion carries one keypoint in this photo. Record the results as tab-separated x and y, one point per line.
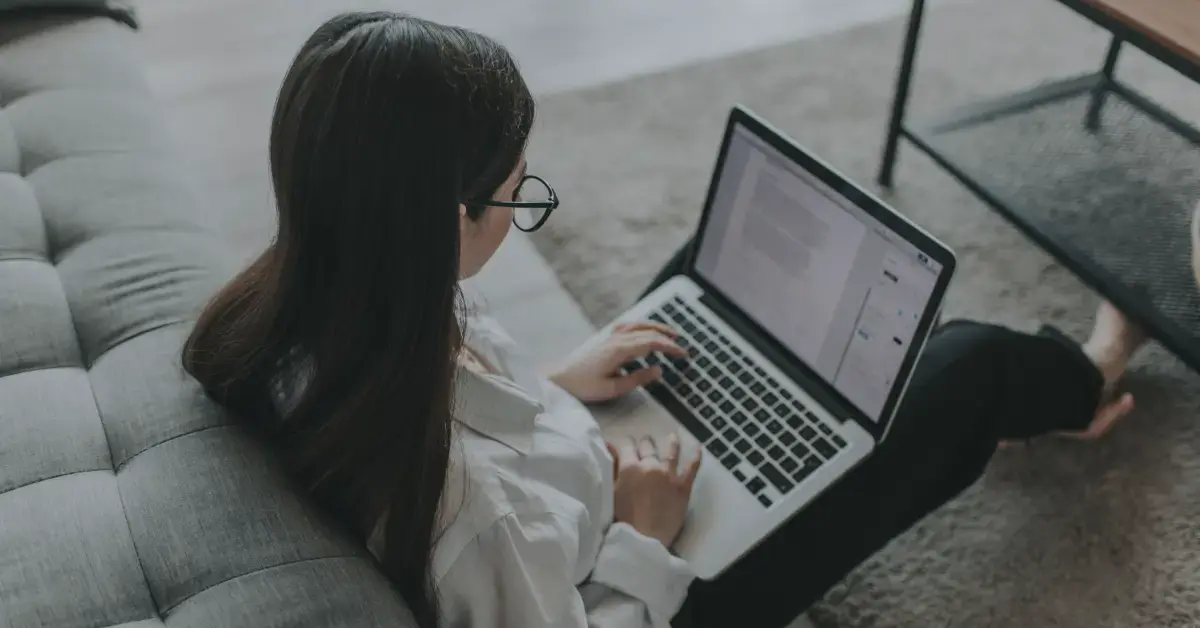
127	498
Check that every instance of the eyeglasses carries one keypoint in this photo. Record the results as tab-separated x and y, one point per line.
535	201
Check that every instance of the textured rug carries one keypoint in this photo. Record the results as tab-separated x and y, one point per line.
1058	534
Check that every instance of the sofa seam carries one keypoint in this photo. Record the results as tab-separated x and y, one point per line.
54	477
167	440
252	572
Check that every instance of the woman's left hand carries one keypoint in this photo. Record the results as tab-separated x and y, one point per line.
596	375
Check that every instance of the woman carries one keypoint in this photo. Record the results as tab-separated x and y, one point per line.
486	491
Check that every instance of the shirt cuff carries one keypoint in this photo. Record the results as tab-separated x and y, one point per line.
642	568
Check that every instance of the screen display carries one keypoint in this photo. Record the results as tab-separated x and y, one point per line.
835	286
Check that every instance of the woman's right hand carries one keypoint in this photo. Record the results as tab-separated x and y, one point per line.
650	493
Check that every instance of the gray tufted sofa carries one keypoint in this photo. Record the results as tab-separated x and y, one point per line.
126	497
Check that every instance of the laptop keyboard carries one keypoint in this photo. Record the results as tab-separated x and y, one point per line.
759	431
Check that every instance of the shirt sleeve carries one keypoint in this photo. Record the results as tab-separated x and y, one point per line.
520	573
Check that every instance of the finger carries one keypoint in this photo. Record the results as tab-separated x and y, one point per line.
661	328
671	455
1106	417
639	344
628	453
615	455
688	478
623	384
646	448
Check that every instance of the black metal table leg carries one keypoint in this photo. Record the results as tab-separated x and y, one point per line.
1110	64
900	100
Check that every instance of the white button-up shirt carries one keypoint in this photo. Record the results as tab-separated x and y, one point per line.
529	537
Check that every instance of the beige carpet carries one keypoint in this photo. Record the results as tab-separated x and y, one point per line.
1059	534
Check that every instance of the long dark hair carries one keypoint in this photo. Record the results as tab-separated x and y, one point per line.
383	126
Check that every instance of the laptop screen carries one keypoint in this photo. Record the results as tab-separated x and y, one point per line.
835	286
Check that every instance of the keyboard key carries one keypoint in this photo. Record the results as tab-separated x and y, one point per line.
770	399
718	447
776	477
730	434
669	307
755	458
688	327
824	429
707	412
764	500
730	461
711	346
762	415
703	385
738	417
715	372
774	426
806	468
741	477
758	388
749	404
799	407
794	422
718	423
700	337
811	417
746	377
742	445
756	484
787	438
772	382
735	350
788	465
671	377
801	450
775	452
787	396
838	442
695	401
808	433
683	389
727	406
824	448
783	410
759	372
738	393
633	365
703	362
714	396
725	382
751	429
734	367
654	359
656	317
692	374
763	440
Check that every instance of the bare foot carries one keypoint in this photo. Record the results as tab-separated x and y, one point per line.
1113	342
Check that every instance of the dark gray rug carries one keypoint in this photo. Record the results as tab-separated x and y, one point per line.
1058	534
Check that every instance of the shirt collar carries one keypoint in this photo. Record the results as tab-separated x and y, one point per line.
496	408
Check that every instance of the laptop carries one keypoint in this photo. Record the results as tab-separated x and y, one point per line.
804	304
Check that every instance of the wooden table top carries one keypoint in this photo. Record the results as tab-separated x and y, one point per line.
1174	24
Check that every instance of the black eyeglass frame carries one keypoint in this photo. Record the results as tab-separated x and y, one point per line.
548	206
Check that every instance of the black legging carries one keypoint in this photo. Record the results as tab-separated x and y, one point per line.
974	386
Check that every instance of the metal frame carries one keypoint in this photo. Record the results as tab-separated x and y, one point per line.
1101	85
